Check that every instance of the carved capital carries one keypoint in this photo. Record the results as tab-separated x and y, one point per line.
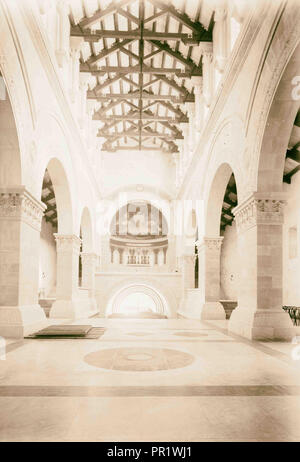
210	243
67	243
259	209
19	204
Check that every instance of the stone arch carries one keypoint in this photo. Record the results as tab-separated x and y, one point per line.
282	114
10	158
215	198
63	196
120	295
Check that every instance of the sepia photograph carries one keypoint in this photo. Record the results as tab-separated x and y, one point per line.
149	224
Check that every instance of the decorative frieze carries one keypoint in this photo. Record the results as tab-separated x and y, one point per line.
67	243
19	204
259	209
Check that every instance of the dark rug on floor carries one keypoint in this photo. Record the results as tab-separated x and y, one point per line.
68	332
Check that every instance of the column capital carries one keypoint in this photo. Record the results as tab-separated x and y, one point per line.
198	83
190	108
220	13
210	243
260	208
18	204
75	45
207	50
84	79
66	243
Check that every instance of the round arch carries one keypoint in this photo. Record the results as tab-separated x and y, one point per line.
278	128
215	198
62	195
161	305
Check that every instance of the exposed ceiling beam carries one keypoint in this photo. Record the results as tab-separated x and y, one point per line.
183	18
175	54
109	96
101	14
145	69
143	134
142	116
288	176
293	153
108	51
135	34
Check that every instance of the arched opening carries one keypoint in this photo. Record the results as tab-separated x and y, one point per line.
57	220
10	160
229	259
212	260
260	220
47	266
139	233
137	301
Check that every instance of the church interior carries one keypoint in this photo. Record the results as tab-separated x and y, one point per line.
149	220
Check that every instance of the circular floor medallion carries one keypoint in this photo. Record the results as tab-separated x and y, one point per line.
139	359
140	334
190	334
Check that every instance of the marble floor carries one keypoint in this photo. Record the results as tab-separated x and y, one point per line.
150	380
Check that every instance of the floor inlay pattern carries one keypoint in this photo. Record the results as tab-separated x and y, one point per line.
139	359
190	334
144	391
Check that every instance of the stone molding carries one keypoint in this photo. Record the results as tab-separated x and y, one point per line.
88	258
189	258
67	243
210	243
260	208
19	204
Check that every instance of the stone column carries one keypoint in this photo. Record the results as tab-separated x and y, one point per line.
88	261
67	300
221	39
184	147
209	251
191	129
259	314
84	79
188	270
208	73
20	225
75	46
176	158
63	32
198	90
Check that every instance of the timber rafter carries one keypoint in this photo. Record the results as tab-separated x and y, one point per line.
139	77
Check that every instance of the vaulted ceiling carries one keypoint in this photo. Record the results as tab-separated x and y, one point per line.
142	55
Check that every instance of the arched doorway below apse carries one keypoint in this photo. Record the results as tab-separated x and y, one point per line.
137	301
